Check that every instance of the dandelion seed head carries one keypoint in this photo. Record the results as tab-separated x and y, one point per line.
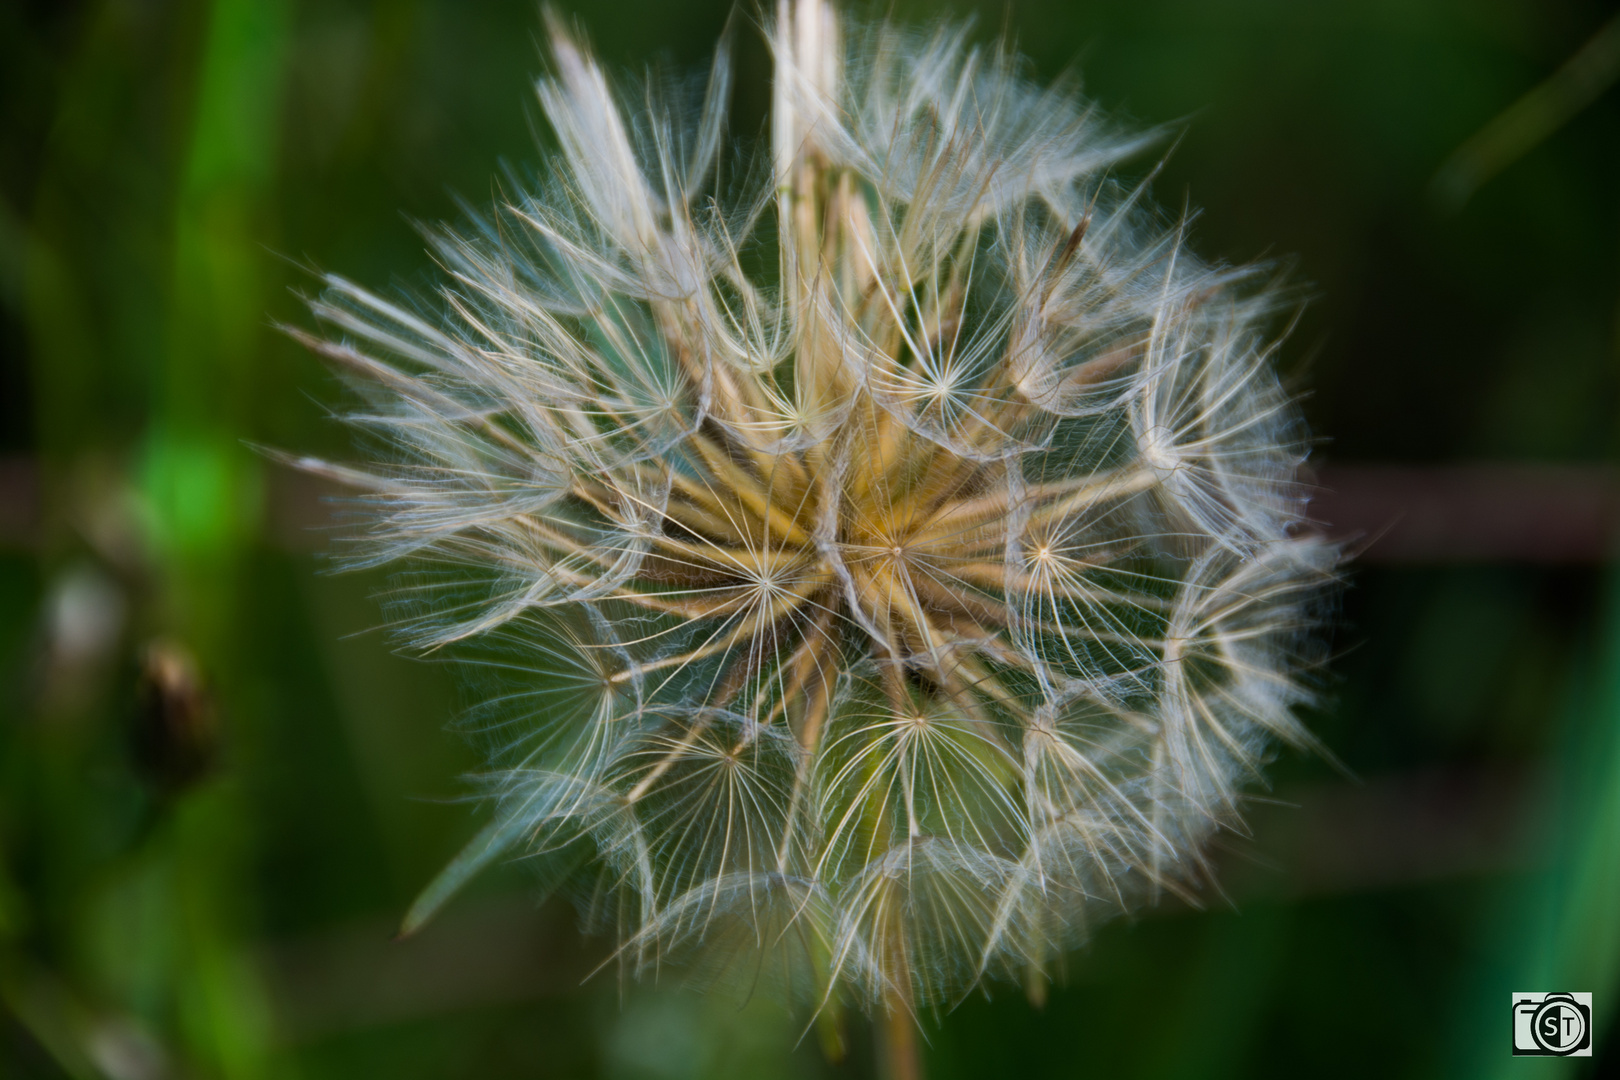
882	622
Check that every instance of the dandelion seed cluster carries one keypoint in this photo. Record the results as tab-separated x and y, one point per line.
882	620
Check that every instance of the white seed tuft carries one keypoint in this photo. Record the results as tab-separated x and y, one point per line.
883	623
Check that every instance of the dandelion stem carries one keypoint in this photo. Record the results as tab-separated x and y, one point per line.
901	1057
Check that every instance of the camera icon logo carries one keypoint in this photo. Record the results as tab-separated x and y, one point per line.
1552	1024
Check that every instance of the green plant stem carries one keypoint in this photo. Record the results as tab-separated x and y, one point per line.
901	1058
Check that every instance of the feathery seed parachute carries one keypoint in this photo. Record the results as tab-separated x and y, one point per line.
891	567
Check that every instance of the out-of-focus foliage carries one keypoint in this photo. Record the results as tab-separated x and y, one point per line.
219	790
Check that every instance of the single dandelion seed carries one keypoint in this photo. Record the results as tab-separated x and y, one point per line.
879	623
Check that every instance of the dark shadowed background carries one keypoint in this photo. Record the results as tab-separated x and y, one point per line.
220	786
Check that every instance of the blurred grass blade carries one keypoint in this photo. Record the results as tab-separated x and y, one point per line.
1526	122
492	841
1589	927
1557	930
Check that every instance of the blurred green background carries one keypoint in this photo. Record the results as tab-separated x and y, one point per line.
220	786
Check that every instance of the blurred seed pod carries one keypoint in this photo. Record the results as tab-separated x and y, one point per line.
175	733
